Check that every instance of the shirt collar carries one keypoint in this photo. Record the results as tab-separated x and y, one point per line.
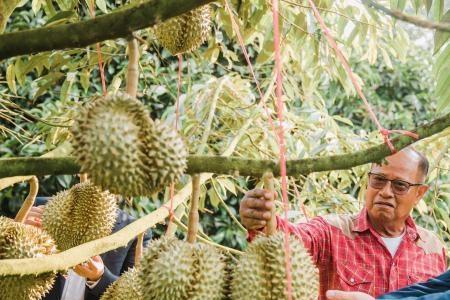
361	223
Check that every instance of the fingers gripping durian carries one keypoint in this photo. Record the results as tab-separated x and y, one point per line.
186	32
24	241
123	150
127	287
79	215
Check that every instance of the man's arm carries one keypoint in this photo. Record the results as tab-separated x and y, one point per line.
255	212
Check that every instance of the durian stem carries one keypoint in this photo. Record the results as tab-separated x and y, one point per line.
29	201
83	177
271	227
133	67
139	249
193	212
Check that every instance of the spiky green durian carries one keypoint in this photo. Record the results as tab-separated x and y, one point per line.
261	273
186	32
23	241
79	215
127	287
166	156
109	143
184	271
123	150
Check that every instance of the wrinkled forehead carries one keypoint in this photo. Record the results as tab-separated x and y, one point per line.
402	165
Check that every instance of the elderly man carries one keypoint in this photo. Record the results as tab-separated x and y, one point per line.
376	251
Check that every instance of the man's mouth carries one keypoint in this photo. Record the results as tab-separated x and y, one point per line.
383	203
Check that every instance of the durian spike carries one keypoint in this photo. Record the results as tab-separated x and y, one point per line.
83	177
133	67
29	201
139	249
271	227
193	212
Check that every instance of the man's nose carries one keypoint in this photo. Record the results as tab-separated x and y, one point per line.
386	191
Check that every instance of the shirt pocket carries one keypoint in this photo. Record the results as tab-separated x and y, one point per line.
355	277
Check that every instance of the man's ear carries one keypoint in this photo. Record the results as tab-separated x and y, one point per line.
421	190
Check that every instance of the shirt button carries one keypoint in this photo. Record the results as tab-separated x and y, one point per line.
352	280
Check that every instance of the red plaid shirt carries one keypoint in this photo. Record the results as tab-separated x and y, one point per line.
351	255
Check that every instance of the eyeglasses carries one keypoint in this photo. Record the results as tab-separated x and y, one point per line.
399	187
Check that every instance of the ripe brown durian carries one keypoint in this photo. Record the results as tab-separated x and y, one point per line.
79	215
127	287
18	240
186	32
261	274
183	271
123	150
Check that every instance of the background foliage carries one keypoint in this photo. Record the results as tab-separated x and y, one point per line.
405	72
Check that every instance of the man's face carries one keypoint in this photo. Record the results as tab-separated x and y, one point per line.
383	204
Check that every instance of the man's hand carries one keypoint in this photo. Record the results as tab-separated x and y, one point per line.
93	269
34	217
256	208
340	295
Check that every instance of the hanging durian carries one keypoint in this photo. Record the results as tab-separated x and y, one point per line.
79	215
184	271
127	287
18	240
123	150
186	32
109	141
260	273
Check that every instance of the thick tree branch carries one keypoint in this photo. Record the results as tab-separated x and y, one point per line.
441	26
110	26
230	165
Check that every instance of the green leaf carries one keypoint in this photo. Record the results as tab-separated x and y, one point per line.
228	184
438	9
84	80
11	78
428	4
440	37
213	197
102	5
62	15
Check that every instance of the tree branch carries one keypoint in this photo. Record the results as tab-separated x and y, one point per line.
441	26
117	24
230	165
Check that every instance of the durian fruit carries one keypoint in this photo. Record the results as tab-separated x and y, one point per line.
184	271
261	273
18	240
166	156
123	150
127	287
186	32
109	143
79	215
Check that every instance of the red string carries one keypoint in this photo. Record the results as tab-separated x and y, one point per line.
383	131
99	53
280	107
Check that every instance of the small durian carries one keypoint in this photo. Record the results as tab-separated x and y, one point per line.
79	215
166	156
18	240
123	150
109	143
186	32
184	272
127	287
261	273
